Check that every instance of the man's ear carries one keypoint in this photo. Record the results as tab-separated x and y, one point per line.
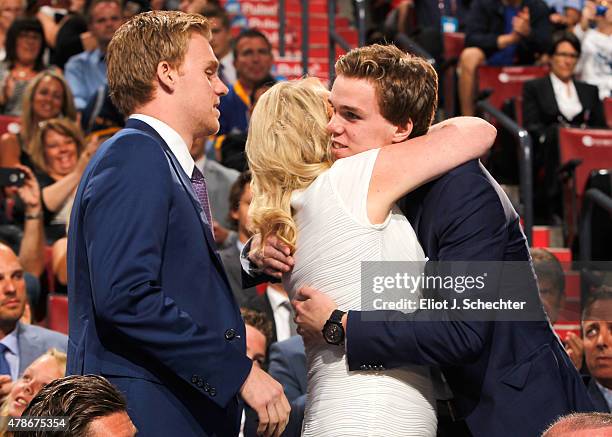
167	76
402	132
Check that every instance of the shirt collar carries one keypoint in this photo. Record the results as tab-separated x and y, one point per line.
606	392
175	142
11	341
277	299
559	85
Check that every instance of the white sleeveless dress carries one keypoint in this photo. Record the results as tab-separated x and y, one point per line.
334	236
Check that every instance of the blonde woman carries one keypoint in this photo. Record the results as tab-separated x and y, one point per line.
46	368
336	214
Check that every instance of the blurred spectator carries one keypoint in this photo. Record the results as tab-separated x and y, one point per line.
20	344
288	366
72	35
219	181
92	406
100	115
275	304
47	96
134	7
86	72
221	42
258	339
232	145
595	33
25	47
552	101
239	200
510	32
253	61
597	334
564	13
9	10
551	281
46	368
60	157
195	6
581	425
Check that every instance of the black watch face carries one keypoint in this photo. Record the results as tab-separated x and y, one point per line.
334	333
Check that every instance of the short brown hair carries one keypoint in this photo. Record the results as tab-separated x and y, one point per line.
211	10
406	86
236	192
80	398
548	268
60	125
259	321
137	48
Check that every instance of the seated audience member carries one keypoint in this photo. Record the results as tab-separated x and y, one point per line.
239	200
564	13
47	96
86	72
60	157
221	42
275	304
581	425
20	344
551	285
101	116
46	368
92	406
258	339
551	102
253	62
510	32
551	281
595	66
232	145
72	36
9	11
597	338
219	180
288	366
25	48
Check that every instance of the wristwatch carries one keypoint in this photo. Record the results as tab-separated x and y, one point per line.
333	332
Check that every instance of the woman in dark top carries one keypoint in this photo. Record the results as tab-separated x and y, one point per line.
548	103
25	47
59	155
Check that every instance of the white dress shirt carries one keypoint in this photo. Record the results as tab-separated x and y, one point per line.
282	313
567	98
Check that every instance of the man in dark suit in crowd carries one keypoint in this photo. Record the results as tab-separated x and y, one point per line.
508	378
597	340
152	309
288	366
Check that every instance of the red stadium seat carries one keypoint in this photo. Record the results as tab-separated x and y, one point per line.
8	123
608	111
506	82
590	149
57	313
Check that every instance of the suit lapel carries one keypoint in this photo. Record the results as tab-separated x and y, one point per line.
28	349
549	99
186	183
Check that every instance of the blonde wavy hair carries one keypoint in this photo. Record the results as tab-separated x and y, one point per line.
287	148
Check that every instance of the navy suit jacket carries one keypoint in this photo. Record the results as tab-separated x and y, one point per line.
151	308
508	378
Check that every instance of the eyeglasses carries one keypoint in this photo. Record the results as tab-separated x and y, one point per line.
567	55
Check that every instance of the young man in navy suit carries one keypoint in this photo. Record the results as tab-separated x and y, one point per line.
508	378
151	306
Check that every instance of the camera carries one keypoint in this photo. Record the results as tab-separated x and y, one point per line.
11	177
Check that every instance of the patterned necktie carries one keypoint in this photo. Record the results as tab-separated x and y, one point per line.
5	369
199	186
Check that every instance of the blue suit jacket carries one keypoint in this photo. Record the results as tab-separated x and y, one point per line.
508	378
151	307
34	341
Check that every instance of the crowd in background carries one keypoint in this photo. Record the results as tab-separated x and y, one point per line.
53	82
